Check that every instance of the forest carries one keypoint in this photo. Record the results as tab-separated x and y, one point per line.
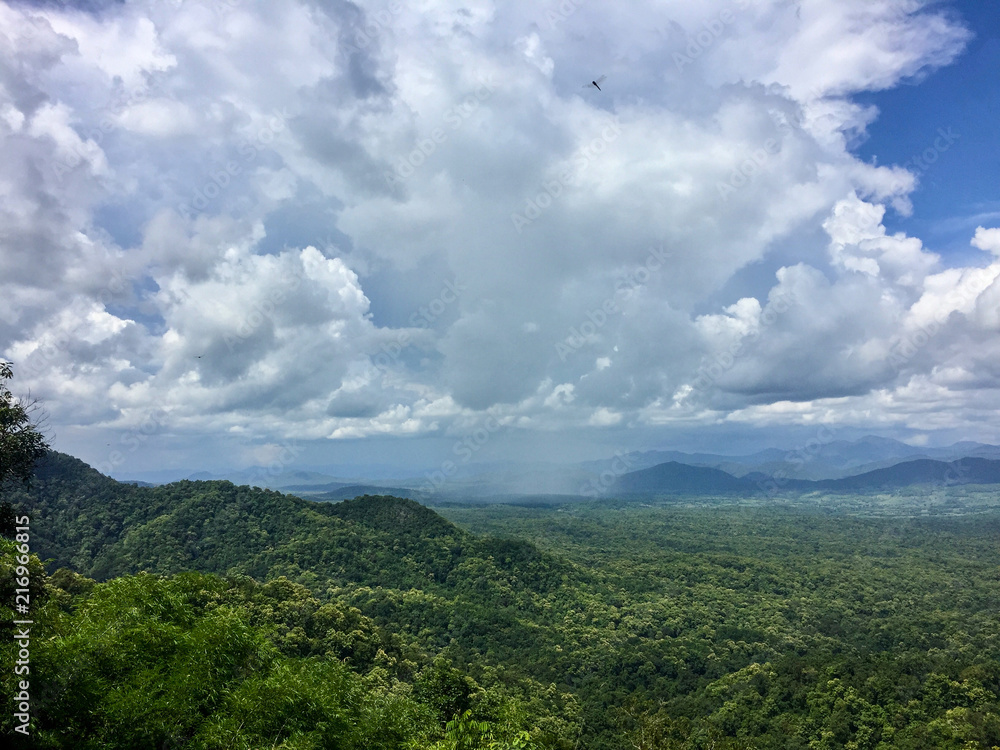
208	615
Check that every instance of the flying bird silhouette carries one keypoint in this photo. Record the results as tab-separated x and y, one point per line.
595	83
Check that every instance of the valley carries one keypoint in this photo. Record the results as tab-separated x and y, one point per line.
818	621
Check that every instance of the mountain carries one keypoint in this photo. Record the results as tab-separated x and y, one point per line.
103	528
920	472
816	459
348	491
313	489
490	480
677	478
394	515
976	450
682	479
258	476
251	632
820	458
374	616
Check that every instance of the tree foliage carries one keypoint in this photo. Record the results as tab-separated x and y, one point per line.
21	442
380	623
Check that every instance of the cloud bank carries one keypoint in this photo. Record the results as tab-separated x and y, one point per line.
329	220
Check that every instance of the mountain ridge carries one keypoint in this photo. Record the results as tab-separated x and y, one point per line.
103	528
673	477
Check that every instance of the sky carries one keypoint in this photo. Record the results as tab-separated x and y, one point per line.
410	235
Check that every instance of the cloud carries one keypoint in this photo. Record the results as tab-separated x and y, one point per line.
987	239
859	243
237	213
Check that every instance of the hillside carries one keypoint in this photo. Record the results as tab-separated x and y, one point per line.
672	477
102	529
394	515
194	660
374	622
919	472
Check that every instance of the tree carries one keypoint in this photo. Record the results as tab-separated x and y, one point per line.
21	443
465	733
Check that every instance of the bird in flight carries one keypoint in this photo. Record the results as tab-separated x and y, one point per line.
595	84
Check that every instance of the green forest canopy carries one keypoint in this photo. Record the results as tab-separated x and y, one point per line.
379	623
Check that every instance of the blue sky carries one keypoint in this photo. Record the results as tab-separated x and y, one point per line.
962	184
374	230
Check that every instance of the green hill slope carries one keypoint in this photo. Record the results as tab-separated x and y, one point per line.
102	529
613	625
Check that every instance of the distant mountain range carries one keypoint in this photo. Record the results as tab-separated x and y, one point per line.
820	464
817	459
672	478
920	472
350	491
